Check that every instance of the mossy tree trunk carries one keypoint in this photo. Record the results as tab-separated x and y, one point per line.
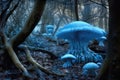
111	67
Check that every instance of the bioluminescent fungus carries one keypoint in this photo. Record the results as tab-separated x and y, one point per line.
90	69
79	34
68	58
101	40
49	31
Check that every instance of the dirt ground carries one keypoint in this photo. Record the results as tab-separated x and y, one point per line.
54	65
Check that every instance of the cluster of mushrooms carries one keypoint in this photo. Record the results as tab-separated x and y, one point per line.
79	34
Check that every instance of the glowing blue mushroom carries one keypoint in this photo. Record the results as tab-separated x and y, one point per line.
79	34
49	32
90	69
49	29
68	58
101	40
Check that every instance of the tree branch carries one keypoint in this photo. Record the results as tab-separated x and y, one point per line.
7	5
11	11
30	24
3	14
99	3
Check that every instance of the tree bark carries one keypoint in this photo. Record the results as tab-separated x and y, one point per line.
76	10
3	14
21	36
114	40
111	66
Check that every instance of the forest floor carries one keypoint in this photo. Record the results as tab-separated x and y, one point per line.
55	65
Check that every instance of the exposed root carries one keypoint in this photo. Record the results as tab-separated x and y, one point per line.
15	59
13	56
37	65
18	64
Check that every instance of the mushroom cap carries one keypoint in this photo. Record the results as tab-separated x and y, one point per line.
68	57
101	38
99	64
80	30
69	30
90	66
49	26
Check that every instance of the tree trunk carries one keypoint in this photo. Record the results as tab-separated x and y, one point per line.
76	10
21	36
111	66
30	24
114	40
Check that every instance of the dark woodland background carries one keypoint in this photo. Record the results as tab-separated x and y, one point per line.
26	54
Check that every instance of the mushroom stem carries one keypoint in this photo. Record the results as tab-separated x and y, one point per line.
75	45
67	64
82	52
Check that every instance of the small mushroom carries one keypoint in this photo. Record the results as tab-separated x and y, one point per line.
49	29
68	58
90	69
101	40
49	32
